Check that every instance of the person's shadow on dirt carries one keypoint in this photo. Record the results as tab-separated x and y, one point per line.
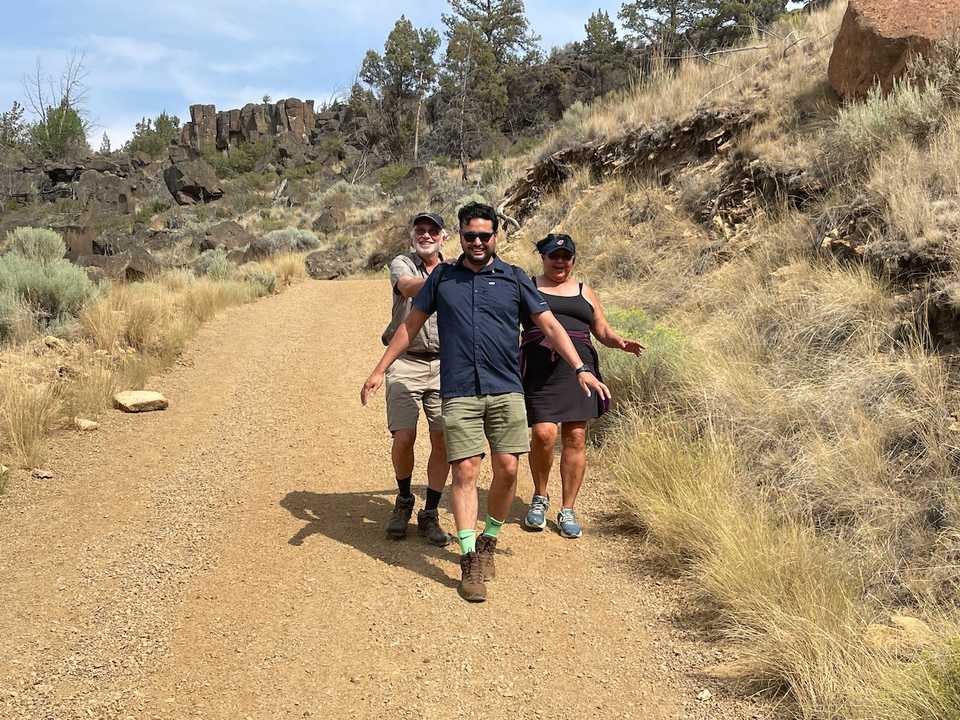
357	519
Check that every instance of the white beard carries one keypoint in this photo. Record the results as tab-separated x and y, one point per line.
425	253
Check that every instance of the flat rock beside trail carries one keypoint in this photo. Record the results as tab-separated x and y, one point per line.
137	401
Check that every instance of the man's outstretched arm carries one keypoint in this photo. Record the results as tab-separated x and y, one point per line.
396	348
563	345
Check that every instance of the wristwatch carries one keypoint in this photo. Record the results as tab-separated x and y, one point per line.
581	369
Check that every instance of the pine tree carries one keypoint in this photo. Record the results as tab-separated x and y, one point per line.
400	77
105	144
602	49
665	25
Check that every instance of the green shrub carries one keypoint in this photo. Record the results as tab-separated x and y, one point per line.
392	175
52	290
38	244
214	265
146	213
864	130
336	195
492	172
264	281
292	240
633	379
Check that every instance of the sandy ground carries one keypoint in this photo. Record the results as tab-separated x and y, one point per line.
226	559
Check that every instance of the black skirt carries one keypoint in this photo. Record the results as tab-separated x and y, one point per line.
553	393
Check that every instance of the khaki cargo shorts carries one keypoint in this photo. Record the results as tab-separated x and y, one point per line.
413	383
469	423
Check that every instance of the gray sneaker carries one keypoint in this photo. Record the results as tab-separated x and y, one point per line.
536	517
567	522
400	517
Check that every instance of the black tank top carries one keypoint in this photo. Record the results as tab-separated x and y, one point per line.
574	313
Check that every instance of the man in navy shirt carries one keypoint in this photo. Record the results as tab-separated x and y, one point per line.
479	303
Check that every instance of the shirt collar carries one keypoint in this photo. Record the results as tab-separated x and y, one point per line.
497	266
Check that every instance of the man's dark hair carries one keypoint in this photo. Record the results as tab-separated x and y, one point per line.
478	211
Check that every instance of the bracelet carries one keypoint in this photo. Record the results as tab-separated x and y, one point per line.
581	369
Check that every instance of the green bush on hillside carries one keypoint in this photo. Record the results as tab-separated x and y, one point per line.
214	265
54	291
392	175
292	240
263	281
864	130
633	379
38	244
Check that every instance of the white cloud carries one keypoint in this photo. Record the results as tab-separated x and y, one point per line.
270	60
129	50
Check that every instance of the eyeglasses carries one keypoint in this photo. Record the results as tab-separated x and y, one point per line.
432	231
471	236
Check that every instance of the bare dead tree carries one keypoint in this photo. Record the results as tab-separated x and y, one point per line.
45	95
463	109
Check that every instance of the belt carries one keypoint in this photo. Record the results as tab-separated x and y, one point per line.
425	356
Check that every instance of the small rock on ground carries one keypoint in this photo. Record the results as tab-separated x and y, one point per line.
136	401
85	425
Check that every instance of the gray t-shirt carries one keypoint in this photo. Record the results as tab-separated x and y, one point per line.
428	339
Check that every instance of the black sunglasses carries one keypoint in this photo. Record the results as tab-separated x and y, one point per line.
483	237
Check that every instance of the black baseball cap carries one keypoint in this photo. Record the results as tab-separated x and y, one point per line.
553	242
432	217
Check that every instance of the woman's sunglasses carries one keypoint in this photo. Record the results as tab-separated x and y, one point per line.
483	237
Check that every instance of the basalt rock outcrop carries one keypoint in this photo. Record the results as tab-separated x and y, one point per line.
878	37
190	178
117	184
250	124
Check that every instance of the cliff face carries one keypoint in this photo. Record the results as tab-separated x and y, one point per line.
292	117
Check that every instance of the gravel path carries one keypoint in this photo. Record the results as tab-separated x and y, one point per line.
225	559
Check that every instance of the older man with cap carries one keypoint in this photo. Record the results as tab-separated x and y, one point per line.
413	383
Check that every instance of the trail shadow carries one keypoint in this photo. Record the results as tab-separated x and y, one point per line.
357	519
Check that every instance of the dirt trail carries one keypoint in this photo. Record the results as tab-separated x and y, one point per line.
225	559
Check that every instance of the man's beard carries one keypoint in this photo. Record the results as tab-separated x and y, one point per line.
425	253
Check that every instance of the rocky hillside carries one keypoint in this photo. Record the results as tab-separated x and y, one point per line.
779	224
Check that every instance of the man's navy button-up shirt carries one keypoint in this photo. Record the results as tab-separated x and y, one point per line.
478	315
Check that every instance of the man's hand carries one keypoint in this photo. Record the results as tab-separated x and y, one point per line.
588	381
631	346
370	387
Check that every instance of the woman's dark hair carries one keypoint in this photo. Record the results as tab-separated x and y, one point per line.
478	211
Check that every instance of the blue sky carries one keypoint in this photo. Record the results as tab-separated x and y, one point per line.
144	57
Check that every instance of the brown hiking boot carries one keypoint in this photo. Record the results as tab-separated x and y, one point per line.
428	527
486	546
400	518
472	588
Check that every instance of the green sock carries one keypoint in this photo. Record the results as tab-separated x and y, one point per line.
492	528
468	541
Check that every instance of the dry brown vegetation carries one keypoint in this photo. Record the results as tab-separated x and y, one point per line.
118	341
791	439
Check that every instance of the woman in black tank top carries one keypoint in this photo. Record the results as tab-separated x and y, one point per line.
554	398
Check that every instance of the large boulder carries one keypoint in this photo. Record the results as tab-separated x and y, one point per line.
133	265
878	37
190	178
227	235
329	264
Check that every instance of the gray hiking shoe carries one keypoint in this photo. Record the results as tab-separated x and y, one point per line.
536	517
567	522
400	517
428	527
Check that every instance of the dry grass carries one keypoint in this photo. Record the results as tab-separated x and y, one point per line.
791	439
789	72
127	335
27	411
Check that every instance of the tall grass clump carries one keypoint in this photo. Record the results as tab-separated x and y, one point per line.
27	411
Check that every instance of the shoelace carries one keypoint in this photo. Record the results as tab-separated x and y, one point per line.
568	516
538	506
